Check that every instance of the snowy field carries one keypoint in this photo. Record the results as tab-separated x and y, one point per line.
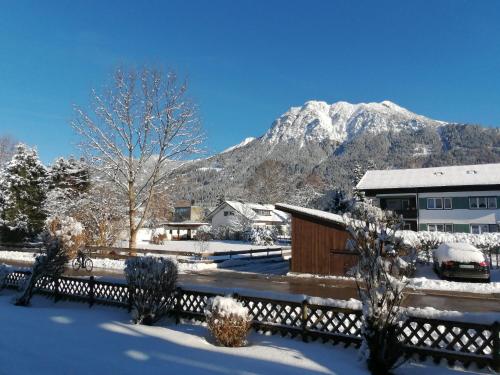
426	278
196	246
70	338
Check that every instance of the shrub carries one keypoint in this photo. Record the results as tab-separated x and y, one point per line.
48	266
151	281
70	233
4	271
263	236
203	233
228	321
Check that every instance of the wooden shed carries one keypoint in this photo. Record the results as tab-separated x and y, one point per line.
318	242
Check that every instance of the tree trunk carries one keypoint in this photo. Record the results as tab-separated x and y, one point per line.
132	241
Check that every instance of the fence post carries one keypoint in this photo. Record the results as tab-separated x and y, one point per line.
495	332
91	291
129	302
304	319
56	289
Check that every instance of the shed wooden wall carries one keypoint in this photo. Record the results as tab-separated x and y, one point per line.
319	248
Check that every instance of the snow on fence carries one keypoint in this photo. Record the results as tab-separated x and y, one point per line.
440	339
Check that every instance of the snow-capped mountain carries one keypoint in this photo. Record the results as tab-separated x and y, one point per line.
317	121
316	146
239	145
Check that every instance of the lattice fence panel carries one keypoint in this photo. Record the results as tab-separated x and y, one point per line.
15	279
323	319
191	302
457	337
273	312
78	288
110	293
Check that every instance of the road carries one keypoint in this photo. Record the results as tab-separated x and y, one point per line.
326	288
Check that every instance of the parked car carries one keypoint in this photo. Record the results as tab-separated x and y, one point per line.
461	260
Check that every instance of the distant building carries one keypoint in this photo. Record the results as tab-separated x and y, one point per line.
232	213
462	198
186	220
185	211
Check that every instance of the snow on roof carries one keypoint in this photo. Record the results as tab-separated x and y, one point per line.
458	252
461	175
322	215
249	210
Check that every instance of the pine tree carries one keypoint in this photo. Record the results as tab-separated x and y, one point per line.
23	189
69	180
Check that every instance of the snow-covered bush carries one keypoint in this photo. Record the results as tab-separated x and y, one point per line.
204	233
70	234
425	242
4	271
372	235
47	266
151	282
223	232
262	236
228	321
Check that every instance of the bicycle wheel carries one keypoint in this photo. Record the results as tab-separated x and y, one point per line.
89	265
76	264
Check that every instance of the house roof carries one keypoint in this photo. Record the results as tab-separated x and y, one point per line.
461	175
247	209
311	213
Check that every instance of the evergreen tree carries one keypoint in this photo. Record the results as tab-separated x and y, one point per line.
69	180
23	189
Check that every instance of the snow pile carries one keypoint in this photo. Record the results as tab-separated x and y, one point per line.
458	252
352	304
226	307
456	316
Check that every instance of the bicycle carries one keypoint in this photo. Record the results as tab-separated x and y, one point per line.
82	260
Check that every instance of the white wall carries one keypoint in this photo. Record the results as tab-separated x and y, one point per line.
459	216
460	194
220	220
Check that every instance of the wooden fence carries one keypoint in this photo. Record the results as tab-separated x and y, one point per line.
123	253
439	339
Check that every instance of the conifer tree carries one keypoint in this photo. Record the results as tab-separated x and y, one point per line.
23	189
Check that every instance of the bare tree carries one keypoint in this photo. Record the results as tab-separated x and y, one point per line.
268	183
133	133
7	148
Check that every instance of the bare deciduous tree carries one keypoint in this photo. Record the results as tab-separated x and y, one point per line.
269	184
133	133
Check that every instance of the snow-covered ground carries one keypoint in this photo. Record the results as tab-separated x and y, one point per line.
426	278
105	263
70	338
196	246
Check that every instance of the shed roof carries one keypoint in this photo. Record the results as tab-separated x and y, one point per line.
311	213
460	175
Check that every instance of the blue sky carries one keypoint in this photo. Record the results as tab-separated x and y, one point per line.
249	61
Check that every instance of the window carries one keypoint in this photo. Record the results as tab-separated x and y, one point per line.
479	228
435	203
440	228
405	204
393	204
447	203
482	202
492	202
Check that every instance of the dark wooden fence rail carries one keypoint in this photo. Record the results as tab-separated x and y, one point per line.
440	339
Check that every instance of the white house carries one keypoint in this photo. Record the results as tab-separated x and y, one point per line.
234	213
462	198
